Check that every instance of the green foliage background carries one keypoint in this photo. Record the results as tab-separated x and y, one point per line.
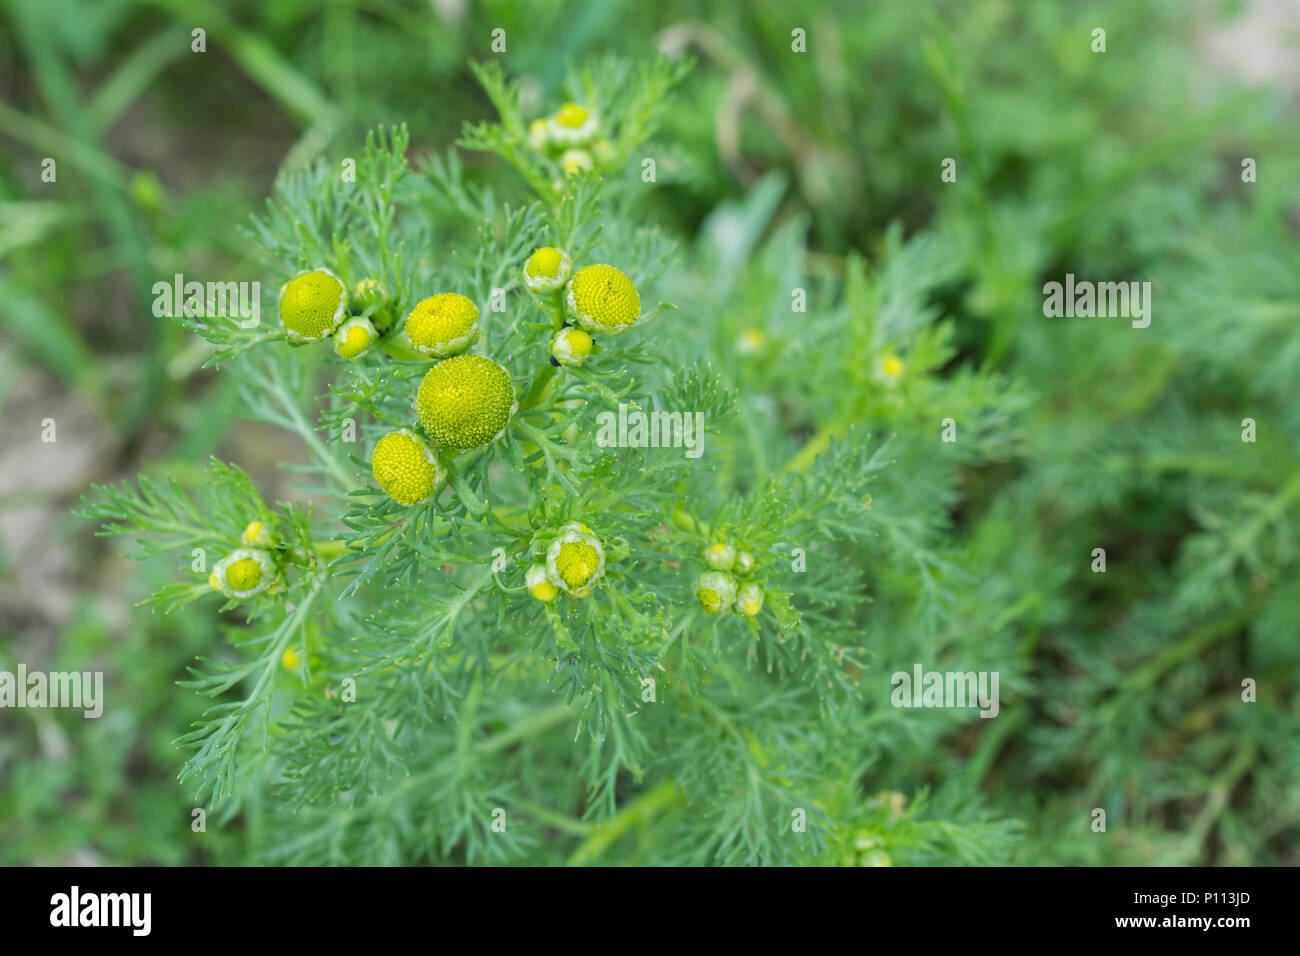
775	171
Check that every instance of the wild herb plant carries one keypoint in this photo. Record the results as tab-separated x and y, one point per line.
526	645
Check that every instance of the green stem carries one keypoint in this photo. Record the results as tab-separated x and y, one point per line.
536	393
468	497
640	811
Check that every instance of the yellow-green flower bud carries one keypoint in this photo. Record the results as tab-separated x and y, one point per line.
716	591
751	342
891	368
257	534
720	556
572	125
312	305
603	299
243	573
745	562
466	401
570	346
539	135
749	600
603	150
575	561
291	660
405	468
367	294
354	338
547	269
575	161
442	325
539	584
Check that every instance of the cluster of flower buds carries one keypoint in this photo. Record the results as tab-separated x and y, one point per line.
571	137
464	401
725	586
314	305
251	568
596	299
574	564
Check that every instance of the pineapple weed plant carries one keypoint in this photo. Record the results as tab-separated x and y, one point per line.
485	634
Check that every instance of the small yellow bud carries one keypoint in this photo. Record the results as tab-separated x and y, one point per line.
257	534
571	116
354	338
466	401
603	150
575	561
571	346
244	573
572	125
720	556
442	325
891	367
367	294
603	299
539	136
749	600
716	591
405	468
291	660
312	305
575	161
547	269
539	585
751	342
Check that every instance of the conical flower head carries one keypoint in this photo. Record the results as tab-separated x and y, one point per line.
603	299
312	305
442	325
405	468
465	402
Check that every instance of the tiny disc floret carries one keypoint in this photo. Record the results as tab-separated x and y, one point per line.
405	468
547	270
442	325
312	305
575	561
602	299
465	402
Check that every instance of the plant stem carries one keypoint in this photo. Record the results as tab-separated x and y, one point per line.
640	811
535	394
